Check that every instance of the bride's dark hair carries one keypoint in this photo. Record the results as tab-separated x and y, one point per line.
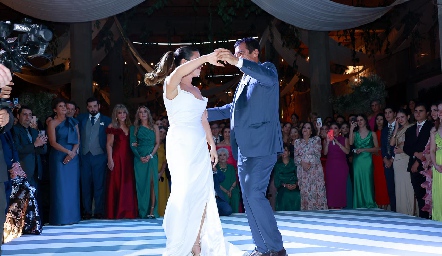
167	64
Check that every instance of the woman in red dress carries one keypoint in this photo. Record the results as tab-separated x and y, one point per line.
121	194
380	184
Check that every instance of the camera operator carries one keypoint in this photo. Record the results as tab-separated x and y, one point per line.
6	121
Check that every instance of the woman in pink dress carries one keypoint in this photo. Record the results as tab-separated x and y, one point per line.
226	144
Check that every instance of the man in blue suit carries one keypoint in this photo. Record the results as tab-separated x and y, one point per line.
388	154
30	145
255	138
93	158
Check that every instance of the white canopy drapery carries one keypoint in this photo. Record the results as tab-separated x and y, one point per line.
322	15
71	10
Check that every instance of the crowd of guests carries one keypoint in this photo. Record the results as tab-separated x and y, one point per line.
85	166
390	159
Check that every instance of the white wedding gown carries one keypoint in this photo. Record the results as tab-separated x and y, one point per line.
192	182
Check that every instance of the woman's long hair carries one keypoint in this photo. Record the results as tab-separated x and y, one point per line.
384	124
167	64
137	121
115	122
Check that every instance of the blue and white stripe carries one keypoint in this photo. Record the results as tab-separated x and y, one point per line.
333	232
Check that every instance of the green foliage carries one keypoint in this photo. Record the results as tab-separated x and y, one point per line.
39	102
363	93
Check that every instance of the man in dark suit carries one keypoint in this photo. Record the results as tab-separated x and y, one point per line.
416	138
6	122
30	145
224	208
255	135
93	158
388	154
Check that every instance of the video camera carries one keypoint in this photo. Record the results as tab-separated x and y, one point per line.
30	42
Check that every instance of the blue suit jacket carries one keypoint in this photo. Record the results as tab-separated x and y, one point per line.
219	177
29	155
386	150
83	118
256	129
9	151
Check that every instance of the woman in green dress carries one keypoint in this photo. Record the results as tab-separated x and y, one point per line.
229	186
286	182
144	142
436	158
365	143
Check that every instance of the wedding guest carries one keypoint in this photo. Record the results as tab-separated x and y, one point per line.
309	169
164	179
336	148
416	138
144	141
380	184
436	158
375	110
286	127
229	186
93	159
286	182
294	135
388	153
121	194
403	187
64	167
30	144
366	143
427	164
226	144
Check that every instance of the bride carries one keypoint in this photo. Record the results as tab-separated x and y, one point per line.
191	221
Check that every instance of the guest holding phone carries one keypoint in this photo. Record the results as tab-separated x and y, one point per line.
64	167
336	148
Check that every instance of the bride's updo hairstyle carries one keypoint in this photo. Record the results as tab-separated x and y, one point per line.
167	64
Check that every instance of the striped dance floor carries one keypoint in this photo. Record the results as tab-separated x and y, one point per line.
333	232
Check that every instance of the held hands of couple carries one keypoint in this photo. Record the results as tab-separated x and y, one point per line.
225	56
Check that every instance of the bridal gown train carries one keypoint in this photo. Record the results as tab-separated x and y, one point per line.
192	182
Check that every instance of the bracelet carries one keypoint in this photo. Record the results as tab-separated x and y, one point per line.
150	155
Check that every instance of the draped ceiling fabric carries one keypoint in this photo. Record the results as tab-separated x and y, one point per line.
322	15
71	10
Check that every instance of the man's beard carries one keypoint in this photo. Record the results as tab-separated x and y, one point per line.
93	113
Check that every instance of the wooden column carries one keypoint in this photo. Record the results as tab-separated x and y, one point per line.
320	87
81	63
116	69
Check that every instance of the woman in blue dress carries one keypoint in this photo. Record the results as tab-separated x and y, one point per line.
64	167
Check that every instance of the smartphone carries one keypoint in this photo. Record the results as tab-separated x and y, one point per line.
330	135
15	101
353	120
42	133
34	119
319	121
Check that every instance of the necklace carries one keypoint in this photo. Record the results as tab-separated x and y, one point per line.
223	169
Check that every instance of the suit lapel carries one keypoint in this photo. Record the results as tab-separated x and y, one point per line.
244	81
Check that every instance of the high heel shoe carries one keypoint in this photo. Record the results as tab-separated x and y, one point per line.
196	249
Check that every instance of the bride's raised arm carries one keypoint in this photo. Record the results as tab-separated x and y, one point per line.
173	70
